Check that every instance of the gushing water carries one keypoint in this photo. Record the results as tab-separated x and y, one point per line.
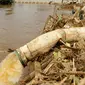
10	70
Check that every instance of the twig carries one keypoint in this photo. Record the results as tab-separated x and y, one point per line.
47	57
29	77
68	46
74	73
82	82
48	67
63	81
69	73
43	65
74	69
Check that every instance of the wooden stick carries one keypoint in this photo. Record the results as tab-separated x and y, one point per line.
75	73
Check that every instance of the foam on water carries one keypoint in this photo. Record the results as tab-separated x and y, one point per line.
10	70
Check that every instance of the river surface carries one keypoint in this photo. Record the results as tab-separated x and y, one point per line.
21	23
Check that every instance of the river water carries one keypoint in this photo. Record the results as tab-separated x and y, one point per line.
21	23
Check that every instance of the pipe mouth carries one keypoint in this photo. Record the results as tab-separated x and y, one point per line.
20	58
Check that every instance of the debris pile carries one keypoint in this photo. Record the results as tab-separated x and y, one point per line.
60	66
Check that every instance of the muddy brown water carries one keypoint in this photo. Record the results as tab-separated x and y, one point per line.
21	23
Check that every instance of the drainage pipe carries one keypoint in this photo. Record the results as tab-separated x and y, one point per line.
45	42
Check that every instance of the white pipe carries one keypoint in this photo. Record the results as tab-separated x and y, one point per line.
45	42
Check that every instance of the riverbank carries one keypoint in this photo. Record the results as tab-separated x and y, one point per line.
6	2
53	59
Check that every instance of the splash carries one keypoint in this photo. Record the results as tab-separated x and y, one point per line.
10	70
